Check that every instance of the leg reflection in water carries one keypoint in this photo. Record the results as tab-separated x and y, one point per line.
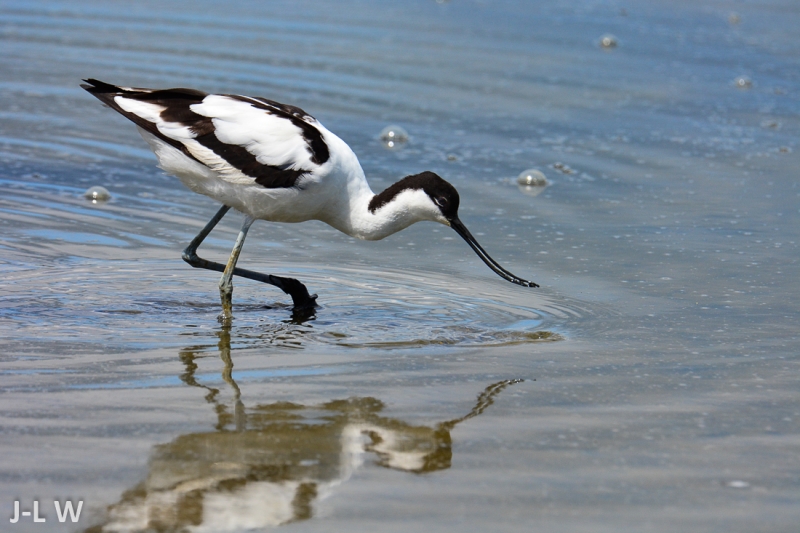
266	465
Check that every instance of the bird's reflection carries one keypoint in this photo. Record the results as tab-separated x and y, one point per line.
266	465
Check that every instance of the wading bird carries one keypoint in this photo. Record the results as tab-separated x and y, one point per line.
275	162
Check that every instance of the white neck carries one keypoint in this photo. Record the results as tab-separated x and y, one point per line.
347	198
408	207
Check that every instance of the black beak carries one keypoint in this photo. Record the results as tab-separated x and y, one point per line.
462	230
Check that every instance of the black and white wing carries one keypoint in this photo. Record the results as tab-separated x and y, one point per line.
242	139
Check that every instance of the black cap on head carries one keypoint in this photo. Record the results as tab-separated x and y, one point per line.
444	195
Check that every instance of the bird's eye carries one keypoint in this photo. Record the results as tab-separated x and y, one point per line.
441	201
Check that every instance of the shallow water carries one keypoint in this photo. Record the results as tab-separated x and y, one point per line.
649	385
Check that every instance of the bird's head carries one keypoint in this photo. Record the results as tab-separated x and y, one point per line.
440	204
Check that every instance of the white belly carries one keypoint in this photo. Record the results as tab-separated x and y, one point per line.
277	205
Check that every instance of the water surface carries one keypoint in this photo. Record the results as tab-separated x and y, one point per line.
649	385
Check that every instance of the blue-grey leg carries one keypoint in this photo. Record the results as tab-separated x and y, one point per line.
190	253
304	303
226	281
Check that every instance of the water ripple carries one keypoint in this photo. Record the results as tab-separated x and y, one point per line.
161	303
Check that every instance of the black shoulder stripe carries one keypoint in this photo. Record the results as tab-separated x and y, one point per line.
316	144
238	157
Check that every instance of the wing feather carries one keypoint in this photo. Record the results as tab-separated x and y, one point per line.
240	138
272	139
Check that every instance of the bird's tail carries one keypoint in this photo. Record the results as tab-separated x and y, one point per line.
112	95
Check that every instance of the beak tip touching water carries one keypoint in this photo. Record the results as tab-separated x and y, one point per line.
523	282
462	230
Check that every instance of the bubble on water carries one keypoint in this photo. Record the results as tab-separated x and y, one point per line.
734	17
532	182
608	41
532	177
743	82
393	136
97	194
